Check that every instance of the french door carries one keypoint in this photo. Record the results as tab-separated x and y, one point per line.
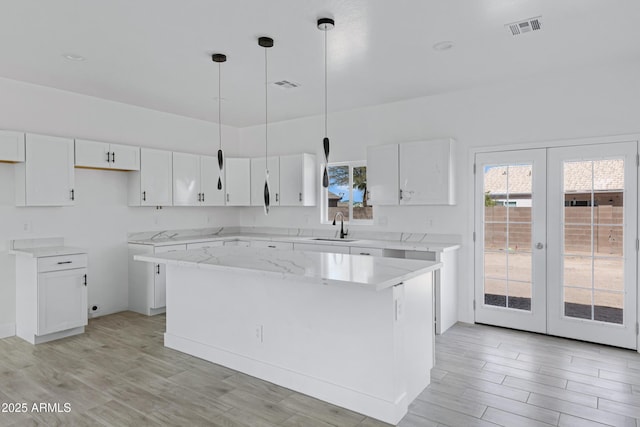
556	241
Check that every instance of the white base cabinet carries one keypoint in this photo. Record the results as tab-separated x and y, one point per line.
51	297
147	281
11	146
46	178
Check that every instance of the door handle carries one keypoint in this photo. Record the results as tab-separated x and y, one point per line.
227	197
299	197
203	197
144	196
108	157
157	268
277	200
199	198
539	245
73	194
113	157
85	280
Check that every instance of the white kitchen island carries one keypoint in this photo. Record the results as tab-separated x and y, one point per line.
355	331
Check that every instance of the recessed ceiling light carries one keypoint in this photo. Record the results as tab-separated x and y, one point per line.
444	45
73	57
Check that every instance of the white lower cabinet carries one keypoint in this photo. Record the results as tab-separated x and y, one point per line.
242	243
147	281
271	245
51	297
355	250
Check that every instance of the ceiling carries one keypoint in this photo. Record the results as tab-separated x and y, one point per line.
157	53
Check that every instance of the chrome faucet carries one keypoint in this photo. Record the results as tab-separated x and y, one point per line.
342	232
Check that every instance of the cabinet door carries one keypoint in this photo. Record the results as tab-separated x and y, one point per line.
11	146
49	174
257	180
382	175
125	157
238	173
186	179
209	174
271	245
312	247
291	180
62	300
426	172
159	299
155	177
92	154
356	250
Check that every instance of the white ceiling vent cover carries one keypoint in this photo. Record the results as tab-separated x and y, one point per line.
286	84
526	26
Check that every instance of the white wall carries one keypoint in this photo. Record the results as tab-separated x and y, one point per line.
564	105
101	218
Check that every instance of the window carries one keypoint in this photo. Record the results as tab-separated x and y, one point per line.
347	193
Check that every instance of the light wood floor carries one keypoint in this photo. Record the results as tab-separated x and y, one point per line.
119	374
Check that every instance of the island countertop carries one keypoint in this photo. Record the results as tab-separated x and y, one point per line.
373	273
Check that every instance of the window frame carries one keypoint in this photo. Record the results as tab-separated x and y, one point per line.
324	200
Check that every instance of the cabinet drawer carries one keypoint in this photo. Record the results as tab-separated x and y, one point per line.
66	262
170	248
271	245
310	247
205	244
355	250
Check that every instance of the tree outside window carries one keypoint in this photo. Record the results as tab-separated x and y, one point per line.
347	193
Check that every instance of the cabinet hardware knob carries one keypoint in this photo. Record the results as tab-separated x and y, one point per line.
144	196
539	245
73	194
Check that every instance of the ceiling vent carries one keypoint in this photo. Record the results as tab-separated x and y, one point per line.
526	26
286	84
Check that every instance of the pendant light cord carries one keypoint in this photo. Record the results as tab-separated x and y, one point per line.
219	109
325	83
266	109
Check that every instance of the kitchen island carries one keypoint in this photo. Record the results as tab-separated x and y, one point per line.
352	330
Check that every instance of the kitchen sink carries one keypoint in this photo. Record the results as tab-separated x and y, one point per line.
334	240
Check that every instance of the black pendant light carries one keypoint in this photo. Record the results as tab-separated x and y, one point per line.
219	58
266	42
325	24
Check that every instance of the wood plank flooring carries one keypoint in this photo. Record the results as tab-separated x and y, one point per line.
119	374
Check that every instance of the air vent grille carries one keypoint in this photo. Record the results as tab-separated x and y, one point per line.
286	84
526	26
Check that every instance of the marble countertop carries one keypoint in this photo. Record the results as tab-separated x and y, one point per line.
48	251
425	246
372	273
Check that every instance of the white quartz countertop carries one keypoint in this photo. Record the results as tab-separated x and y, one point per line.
372	273
367	243
48	251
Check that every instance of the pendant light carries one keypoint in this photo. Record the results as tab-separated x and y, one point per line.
266	43
325	24
219	58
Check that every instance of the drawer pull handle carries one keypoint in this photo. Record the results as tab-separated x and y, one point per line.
365	253
271	246
64	262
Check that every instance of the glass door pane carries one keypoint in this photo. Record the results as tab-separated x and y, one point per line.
593	263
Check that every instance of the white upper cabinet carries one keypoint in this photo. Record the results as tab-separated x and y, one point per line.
238	182
298	180
152	185
46	178
257	180
426	173
186	179
383	175
11	146
411	173
102	155
195	181
209	174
